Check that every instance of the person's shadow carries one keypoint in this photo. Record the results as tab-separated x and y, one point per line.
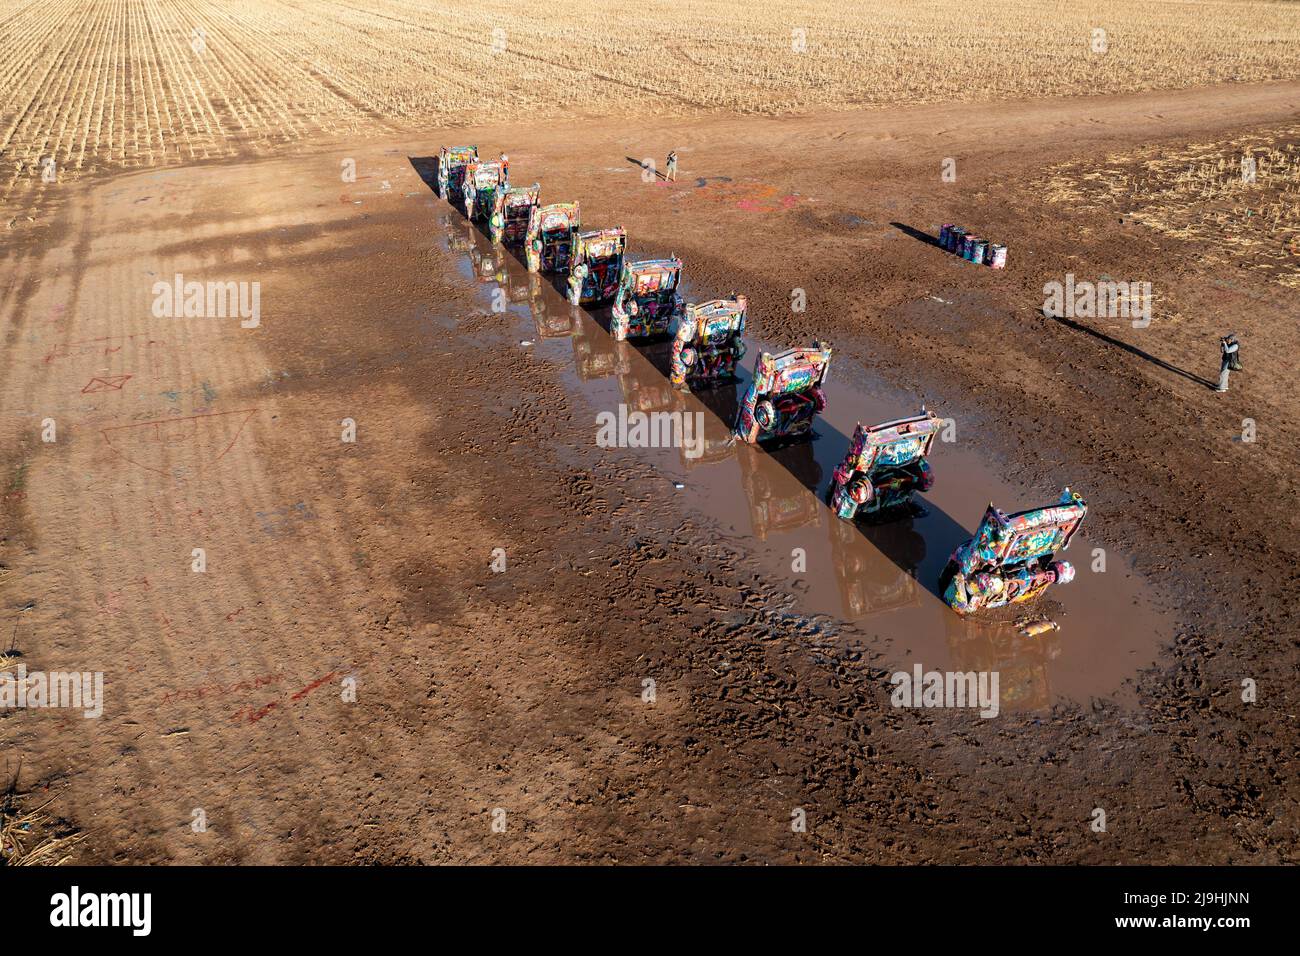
646	167
1131	349
930	240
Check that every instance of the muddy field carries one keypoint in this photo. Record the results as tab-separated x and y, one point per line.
649	679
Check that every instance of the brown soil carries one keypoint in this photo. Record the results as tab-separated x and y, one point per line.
523	691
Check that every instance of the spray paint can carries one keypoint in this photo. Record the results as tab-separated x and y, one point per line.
1036	628
997	256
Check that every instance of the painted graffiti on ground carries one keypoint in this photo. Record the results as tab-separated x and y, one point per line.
201	691
111	602
196	439
748	195
106	345
105	383
285	519
253	714
205	390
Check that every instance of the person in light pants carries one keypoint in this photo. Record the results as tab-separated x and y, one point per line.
1229	362
671	174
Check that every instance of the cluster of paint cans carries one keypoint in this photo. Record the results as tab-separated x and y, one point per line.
971	247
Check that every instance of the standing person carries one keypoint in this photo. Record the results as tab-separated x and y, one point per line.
505	169
1229	361
671	175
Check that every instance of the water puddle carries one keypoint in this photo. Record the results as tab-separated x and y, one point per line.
772	505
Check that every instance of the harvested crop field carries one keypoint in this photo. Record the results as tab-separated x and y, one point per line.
110	84
1238	201
363	583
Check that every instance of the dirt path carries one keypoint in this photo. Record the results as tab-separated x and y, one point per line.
329	562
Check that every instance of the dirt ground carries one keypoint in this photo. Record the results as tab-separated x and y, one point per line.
520	698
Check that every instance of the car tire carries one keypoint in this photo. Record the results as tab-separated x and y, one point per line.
946	576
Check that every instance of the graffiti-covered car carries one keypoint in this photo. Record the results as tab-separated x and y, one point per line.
595	265
1011	558
785	395
452	162
482	183
552	230
709	342
884	465
647	303
511	209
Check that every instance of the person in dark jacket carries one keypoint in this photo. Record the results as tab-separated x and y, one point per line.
1229	361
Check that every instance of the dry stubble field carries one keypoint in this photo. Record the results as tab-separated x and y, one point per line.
103	84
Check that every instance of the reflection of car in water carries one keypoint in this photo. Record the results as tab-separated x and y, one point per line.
709	343
872	582
552	322
482	181
522	287
647	303
551	231
643	389
1021	662
488	262
527	288
511	209
595	265
1010	557
594	355
719	440
452	162
776	506
884	465
460	234
785	394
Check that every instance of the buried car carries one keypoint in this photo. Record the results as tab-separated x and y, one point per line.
552	230
482	183
1011	557
511	209
452	163
884	465
595	265
647	302
709	343
785	394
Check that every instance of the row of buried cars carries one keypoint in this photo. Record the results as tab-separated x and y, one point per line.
1010	559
